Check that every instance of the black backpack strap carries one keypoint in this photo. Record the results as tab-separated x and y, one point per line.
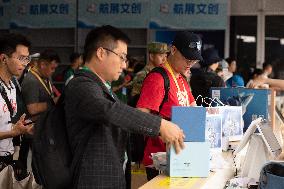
166	78
5	97
78	156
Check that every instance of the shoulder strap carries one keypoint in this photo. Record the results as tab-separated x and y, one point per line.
166	78
78	156
5	97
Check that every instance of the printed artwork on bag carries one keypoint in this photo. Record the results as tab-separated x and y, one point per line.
213	131
232	123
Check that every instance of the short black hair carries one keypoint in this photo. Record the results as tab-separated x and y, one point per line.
266	64
10	41
229	60
257	72
104	36
49	55
74	56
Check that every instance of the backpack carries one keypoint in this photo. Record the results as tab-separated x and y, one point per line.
53	161
138	141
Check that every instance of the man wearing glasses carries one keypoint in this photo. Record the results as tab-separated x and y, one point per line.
184	53
14	56
94	112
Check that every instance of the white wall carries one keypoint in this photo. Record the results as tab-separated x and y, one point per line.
244	7
274	6
253	7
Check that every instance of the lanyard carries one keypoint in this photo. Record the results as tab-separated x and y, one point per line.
107	84
47	88
169	68
181	95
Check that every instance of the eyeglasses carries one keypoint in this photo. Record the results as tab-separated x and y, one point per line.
192	62
122	57
23	59
189	62
194	45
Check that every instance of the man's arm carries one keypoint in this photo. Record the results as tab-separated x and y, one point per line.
170	133
8	134
279	83
37	108
88	99
30	92
144	110
152	93
275	83
193	103
17	129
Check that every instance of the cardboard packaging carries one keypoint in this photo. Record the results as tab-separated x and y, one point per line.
192	161
192	121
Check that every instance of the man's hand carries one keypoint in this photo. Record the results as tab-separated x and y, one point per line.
21	128
30	129
172	134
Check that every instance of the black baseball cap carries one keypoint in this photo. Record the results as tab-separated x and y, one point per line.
211	56
189	44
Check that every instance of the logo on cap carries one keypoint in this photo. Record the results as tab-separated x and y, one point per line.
195	45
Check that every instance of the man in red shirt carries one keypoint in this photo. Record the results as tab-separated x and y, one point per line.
184	53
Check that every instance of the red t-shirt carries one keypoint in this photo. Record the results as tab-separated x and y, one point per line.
152	94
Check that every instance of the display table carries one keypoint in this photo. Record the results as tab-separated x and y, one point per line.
216	180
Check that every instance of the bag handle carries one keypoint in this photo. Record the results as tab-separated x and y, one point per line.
216	100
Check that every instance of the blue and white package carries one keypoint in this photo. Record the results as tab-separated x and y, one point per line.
192	161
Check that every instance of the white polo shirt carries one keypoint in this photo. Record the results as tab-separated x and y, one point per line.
6	145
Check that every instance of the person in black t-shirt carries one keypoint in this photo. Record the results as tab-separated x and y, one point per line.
206	77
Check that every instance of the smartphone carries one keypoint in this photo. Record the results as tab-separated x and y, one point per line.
29	122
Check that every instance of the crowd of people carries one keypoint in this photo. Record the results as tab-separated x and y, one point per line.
110	97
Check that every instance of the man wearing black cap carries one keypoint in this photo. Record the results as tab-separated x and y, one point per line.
184	53
201	81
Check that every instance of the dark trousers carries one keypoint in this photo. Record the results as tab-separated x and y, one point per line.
128	175
19	173
151	173
17	141
128	165
26	144
5	160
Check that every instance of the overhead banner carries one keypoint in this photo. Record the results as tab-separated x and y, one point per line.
188	14
43	14
155	14
5	7
123	14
